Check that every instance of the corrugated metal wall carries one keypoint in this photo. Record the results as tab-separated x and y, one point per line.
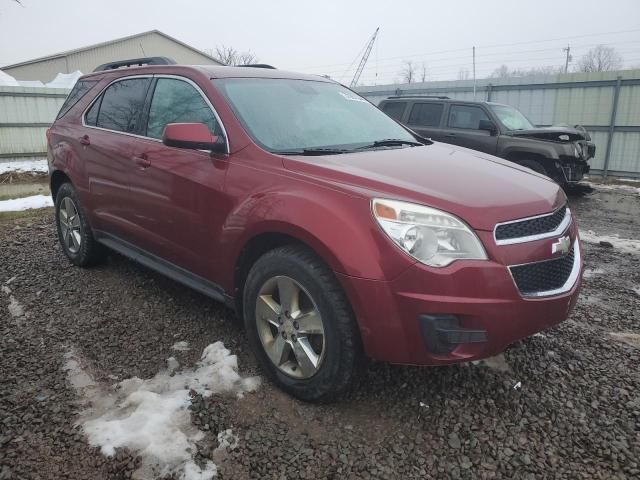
25	114
149	45
578	98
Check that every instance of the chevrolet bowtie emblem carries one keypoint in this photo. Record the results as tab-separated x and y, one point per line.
562	245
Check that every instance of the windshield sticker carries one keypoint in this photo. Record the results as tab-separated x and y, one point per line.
352	98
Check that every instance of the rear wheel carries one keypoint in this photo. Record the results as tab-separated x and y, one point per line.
300	325
74	233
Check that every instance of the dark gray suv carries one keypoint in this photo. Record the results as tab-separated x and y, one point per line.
560	152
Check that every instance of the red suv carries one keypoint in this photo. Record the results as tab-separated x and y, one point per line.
331	229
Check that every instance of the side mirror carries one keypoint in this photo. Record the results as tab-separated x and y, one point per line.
488	125
192	135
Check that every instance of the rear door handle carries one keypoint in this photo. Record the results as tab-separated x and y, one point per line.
142	161
84	140
449	135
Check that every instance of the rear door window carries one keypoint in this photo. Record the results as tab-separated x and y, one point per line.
426	114
466	116
395	109
122	104
79	90
177	101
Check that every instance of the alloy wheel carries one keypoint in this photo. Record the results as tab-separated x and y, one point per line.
290	327
70	226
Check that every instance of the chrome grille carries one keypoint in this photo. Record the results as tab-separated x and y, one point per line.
533	228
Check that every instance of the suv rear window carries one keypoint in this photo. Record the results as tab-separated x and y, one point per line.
426	114
79	90
120	106
395	109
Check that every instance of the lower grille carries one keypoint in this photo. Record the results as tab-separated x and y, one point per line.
547	277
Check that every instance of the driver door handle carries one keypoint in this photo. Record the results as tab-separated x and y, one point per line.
449	135
84	140
142	161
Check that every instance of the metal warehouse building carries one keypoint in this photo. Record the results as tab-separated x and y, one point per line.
146	44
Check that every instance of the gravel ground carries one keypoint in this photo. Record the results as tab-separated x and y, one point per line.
575	415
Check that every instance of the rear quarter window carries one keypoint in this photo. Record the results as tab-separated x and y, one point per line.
78	91
395	109
426	114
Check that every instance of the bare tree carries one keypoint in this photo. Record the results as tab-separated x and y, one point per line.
600	59
423	72
463	74
231	56
504	72
501	72
408	73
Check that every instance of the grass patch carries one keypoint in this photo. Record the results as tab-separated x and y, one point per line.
11	217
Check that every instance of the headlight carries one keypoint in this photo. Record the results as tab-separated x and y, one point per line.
430	236
577	150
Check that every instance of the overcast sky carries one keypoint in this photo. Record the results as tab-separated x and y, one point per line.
326	36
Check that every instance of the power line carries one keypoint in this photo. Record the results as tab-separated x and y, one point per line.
486	47
511	53
464	62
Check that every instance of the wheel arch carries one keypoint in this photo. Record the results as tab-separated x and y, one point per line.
267	239
58	178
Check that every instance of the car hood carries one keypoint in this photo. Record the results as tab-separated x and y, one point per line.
560	133
480	189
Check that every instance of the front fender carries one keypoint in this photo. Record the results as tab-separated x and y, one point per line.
337	226
512	145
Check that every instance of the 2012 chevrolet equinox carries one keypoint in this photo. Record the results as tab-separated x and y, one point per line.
332	230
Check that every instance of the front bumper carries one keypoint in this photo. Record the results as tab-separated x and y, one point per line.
489	311
573	172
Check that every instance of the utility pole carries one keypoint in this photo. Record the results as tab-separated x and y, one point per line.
474	73
568	59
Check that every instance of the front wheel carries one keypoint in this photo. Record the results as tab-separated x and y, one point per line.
300	325
535	166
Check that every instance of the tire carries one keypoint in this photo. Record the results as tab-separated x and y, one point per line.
321	305
75	235
535	166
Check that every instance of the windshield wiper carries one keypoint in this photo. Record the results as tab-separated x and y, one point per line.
390	142
315	151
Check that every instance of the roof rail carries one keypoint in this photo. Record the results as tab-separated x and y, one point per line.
257	65
135	62
439	97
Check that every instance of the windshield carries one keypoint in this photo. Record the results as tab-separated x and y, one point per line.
290	116
511	118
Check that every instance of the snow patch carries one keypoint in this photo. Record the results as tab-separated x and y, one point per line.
227	440
152	419
16	310
65	80
181	346
7	80
26	203
25	166
31	83
592	272
632	339
636	290
626	245
610	187
499	362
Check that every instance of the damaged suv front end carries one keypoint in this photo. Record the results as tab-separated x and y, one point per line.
565	151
